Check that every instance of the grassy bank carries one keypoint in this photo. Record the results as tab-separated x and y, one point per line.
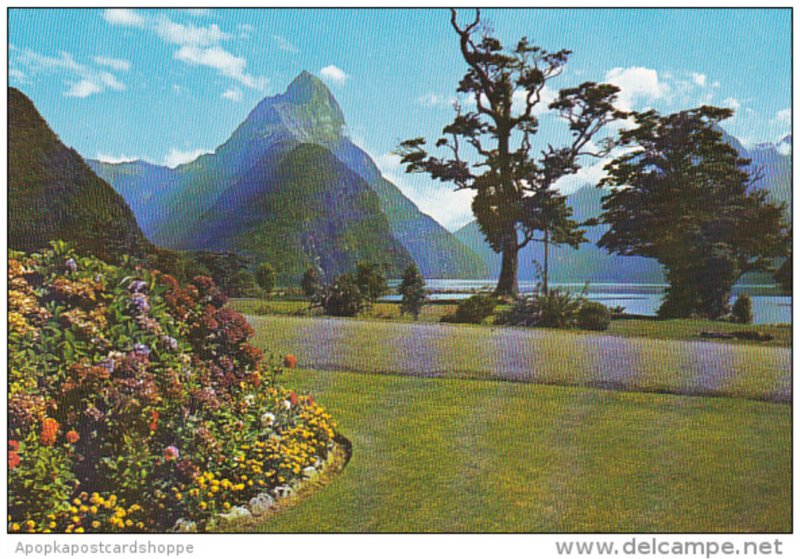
464	455
566	358
683	329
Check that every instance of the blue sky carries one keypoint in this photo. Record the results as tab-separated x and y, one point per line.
166	85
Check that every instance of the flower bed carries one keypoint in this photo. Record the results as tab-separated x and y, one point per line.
135	402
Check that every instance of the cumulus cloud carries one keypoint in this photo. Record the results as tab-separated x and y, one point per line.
699	79
177	157
106	158
636	84
784	116
121	16
284	44
518	98
113	63
732	103
82	80
334	74
198	45
189	35
234	95
435	100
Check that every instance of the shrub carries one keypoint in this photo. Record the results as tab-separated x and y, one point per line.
343	297
594	316
412	290
742	311
265	277
371	281
311	284
556	309
474	310
135	401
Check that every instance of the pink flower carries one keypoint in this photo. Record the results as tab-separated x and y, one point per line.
171	453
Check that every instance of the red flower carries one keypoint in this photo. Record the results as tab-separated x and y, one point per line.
73	437
49	431
13	459
171	453
293	398
154	422
290	361
13	445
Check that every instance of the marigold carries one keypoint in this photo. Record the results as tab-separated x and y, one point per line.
154	420
13	445
49	432
290	361
73	437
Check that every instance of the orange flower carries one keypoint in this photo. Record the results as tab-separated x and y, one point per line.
73	437
293	398
290	361
154	422
49	432
13	459
13	445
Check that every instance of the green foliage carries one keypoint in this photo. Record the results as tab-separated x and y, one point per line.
594	316
783	275
742	311
344	297
126	389
371	281
514	191
412	290
53	194
265	276
473	310
223	267
687	200
556	308
243	284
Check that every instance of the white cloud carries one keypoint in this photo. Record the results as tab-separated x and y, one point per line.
189	35
83	88
106	158
221	60
129	18
636	84
16	74
699	79
234	95
334	74
784	116
732	103
113	63
435	100
284	44
177	157
82	80
198	12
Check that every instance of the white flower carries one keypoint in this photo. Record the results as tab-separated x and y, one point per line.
249	399
287	404
268	418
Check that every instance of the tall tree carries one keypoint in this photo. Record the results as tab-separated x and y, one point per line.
490	146
682	195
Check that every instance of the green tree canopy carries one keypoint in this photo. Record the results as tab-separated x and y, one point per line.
682	195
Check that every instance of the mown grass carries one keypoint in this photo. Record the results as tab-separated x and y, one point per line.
566	358
452	455
683	329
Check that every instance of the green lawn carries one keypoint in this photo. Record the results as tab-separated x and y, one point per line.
684	329
571	358
470	455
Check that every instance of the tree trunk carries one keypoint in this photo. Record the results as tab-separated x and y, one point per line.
546	285
507	283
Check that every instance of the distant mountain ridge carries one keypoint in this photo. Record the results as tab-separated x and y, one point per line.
54	195
590	263
218	200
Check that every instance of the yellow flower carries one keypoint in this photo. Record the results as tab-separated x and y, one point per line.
30	524
95	524
203	505
15	527
93	509
79	530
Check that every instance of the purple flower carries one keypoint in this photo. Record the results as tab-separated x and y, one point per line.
71	265
170	342
138	286
107	364
171	453
140	303
141	349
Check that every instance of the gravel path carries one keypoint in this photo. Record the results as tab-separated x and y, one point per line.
529	355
